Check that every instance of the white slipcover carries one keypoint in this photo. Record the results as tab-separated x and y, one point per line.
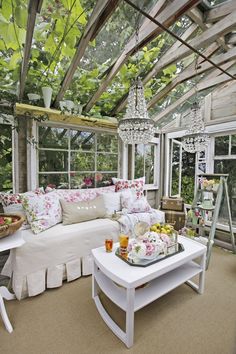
57	253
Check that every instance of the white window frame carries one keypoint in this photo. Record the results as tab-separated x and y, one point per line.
213	128
156	177
32	153
173	141
9	120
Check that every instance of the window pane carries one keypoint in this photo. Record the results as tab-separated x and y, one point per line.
221	145
175	169
107	142
104	179
5	157
175	179
188	177
233	145
53	137
139	160
228	166
53	160
149	164
176	152
82	140
82	180
54	180
107	162
82	161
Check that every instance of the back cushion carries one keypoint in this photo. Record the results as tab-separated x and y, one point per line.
43	210
12	203
75	212
112	202
131	204
135	184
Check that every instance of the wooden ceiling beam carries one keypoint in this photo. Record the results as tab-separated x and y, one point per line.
215	78
101	12
34	7
204	39
148	31
219	11
193	70
156	68
197	16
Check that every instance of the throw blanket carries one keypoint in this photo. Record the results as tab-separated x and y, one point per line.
127	221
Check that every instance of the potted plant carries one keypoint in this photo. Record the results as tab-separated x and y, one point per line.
47	96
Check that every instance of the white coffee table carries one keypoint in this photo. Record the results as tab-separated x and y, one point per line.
163	276
7	243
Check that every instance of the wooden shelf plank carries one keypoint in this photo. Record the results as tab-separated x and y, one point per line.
56	116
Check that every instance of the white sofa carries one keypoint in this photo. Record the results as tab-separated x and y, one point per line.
63	252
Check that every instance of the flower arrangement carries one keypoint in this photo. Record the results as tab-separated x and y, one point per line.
207	183
152	243
210	184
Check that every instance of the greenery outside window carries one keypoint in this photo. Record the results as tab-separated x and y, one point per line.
225	162
70	158
145	157
184	168
6	157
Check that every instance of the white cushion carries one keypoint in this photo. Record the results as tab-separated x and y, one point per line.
112	202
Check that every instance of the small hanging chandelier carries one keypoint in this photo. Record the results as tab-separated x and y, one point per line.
195	140
136	127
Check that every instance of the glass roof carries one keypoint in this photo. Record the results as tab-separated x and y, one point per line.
58	30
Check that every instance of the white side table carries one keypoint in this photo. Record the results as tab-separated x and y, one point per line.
7	243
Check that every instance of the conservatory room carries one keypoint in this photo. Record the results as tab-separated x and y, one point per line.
118	176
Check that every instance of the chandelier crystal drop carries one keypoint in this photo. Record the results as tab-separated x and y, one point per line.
195	140
136	127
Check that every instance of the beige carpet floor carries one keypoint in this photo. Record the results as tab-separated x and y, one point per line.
65	320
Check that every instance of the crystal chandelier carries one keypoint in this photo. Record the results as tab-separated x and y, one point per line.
195	140
136	127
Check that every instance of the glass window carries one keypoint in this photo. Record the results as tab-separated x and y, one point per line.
176	151
227	166
6	178
70	158
82	140
53	137
221	145
233	144
50	160
82	161
183	170
144	160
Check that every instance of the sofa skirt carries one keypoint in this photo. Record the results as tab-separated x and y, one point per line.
36	283
57	254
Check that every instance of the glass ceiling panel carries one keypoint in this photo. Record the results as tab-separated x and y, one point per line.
141	63
106	48
13	20
58	29
216	2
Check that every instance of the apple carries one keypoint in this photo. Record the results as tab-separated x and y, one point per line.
2	221
8	220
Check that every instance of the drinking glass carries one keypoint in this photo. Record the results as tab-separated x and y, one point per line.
124	241
109	244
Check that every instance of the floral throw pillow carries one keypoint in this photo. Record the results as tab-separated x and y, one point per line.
134	184
43	210
11	203
131	204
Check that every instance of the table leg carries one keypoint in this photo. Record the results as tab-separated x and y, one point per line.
202	274
130	294
5	294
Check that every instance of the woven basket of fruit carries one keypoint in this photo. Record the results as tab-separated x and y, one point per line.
9	224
